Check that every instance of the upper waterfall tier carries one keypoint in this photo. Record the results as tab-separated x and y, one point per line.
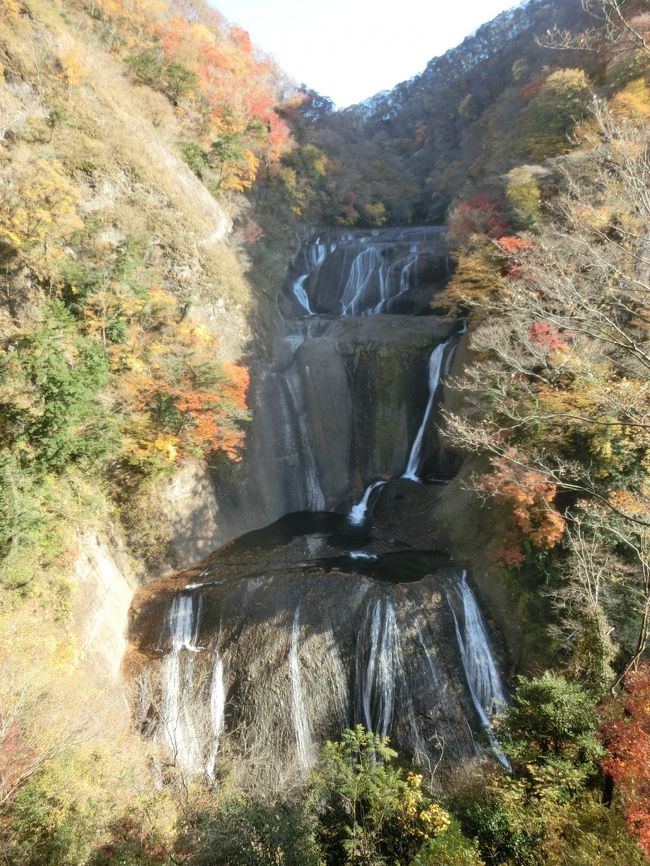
346	395
361	273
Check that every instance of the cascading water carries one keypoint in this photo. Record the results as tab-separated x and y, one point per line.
361	273
177	725
378	653
481	671
217	714
304	745
378	666
358	512
315	499
319	629
435	369
404	268
316	256
368	264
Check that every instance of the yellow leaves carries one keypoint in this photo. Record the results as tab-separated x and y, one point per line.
166	444
434	820
10	9
72	65
476	278
200	33
38	207
633	101
196	335
289	178
630	503
240	175
524	195
427	818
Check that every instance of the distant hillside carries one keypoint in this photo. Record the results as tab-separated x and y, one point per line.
473	114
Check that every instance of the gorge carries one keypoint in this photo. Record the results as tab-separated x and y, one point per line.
324	445
320	621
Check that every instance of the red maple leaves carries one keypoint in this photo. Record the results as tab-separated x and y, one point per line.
628	741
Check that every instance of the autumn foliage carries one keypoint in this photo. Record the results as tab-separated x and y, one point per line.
628	740
481	214
224	89
530	496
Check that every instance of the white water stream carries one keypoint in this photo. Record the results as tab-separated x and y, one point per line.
435	370
378	666
304	744
481	672
316	255
177	724
358	512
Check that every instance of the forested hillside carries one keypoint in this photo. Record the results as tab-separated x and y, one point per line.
156	174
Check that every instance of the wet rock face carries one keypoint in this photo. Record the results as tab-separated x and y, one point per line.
274	646
360	273
318	622
341	401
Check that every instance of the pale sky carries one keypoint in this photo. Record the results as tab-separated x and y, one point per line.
351	49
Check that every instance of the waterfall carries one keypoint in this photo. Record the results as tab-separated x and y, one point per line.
405	266
316	255
184	621
217	714
358	512
435	368
433	670
304	745
177	722
363	267
378	674
314	492
320	625
301	295
481	672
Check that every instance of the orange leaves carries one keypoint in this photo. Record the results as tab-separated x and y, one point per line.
628	740
512	244
480	215
237	390
212	71
513	249
543	334
530	496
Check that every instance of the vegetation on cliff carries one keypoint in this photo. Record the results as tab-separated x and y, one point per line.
130	130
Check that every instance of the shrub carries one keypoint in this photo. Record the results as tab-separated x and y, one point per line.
244	833
50	387
370	811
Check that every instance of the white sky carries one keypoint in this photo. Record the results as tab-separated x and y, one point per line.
351	49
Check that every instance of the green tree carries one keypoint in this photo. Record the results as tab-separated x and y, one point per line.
369	810
552	726
50	385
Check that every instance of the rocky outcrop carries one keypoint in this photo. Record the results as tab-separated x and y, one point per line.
103	583
284	638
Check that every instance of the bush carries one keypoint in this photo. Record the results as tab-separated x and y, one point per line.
147	66
369	811
450	848
552	723
50	386
244	833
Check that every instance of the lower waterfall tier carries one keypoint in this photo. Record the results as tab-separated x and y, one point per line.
284	638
